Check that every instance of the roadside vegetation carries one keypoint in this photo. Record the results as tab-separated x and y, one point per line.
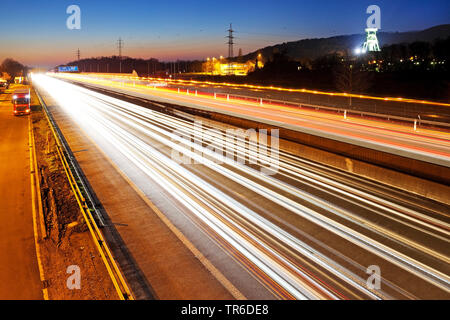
68	242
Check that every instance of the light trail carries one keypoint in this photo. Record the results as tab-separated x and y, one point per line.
425	144
257	87
303	269
248	183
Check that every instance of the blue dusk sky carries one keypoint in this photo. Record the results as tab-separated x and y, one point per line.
35	32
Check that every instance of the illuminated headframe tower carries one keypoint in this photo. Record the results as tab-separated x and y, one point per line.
371	43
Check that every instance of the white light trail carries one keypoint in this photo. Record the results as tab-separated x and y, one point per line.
129	127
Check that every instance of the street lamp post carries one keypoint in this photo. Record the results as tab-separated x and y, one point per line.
351	84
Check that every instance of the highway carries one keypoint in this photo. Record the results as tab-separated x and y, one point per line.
301	229
397	106
429	145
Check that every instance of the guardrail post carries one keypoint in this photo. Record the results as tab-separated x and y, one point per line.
228	97
415	125
261	101
178	90
215	95
345	114
195	92
187	91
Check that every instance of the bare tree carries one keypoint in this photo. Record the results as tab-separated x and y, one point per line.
350	79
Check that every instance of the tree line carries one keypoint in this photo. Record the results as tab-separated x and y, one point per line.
11	68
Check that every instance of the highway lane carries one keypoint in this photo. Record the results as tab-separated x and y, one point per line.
395	106
305	231
424	144
19	274
390	106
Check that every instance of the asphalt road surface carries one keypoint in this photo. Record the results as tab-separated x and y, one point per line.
395	108
300	229
19	274
427	145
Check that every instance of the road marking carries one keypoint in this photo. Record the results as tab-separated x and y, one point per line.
189	245
33	206
105	253
208	265
38	189
205	262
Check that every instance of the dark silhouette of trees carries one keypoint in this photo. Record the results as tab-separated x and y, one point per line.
327	62
144	67
441	51
280	65
421	50
349	78
395	52
13	68
417	70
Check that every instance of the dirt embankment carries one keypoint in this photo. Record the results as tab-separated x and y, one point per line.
68	241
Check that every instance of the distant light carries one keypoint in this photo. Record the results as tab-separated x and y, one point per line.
359	51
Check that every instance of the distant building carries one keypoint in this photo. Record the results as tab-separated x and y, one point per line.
19	80
234	68
224	68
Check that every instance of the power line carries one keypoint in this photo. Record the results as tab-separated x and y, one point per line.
279	35
120	46
78	53
230	41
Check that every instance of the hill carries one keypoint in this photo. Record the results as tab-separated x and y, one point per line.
314	48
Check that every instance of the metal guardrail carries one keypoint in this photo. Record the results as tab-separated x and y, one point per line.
320	107
61	143
416	122
79	189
